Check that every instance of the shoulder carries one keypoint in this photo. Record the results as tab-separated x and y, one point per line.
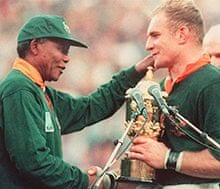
16	81
207	75
206	79
209	71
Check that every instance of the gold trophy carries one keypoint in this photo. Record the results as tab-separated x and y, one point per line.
150	126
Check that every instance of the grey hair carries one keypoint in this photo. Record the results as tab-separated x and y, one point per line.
23	47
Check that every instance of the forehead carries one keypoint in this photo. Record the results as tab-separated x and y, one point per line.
212	47
213	32
211	41
158	23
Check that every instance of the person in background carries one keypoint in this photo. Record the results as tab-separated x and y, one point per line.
33	116
183	159
211	44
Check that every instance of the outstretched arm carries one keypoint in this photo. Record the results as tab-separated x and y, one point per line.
198	164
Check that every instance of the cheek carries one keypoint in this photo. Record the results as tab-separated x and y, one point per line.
51	61
49	65
165	58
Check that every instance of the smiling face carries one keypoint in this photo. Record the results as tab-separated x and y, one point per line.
161	42
50	57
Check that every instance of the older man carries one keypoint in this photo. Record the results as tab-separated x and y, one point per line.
211	44
33	116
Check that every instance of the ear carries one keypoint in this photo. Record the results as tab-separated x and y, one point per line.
34	47
182	34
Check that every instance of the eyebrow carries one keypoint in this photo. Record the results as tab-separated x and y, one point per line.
216	54
153	33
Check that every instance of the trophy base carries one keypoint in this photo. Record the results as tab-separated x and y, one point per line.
136	171
133	174
132	183
134	180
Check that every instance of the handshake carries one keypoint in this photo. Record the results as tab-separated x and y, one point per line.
107	181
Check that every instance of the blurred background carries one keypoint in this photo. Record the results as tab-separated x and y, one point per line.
115	31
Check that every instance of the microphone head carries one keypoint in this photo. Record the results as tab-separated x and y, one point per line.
136	95
154	89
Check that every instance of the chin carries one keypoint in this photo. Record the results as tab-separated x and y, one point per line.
55	79
159	64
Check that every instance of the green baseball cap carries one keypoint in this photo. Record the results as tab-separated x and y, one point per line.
43	26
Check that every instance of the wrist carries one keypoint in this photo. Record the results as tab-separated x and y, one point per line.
179	162
166	158
173	160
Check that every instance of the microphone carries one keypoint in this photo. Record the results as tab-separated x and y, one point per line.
135	94
155	91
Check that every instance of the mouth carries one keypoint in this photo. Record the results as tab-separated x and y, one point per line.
61	69
154	54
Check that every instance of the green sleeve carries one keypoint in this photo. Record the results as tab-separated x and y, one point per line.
76	113
27	146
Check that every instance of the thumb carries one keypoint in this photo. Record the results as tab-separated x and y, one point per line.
94	171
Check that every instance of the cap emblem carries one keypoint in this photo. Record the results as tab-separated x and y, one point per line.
66	27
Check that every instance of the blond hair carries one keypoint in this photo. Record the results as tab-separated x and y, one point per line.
183	12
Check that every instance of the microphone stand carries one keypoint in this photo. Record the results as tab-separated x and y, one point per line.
112	158
202	134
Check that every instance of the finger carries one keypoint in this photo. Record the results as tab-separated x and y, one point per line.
141	140
137	149
149	60
94	171
134	155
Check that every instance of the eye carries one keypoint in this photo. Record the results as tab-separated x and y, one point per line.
154	35
217	55
64	49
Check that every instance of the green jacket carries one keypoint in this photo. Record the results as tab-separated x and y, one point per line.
30	132
197	98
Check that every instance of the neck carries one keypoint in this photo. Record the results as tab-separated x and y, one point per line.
35	63
186	58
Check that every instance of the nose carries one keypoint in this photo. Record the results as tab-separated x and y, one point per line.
66	58
149	44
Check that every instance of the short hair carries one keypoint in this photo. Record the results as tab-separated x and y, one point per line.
181	12
24	46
